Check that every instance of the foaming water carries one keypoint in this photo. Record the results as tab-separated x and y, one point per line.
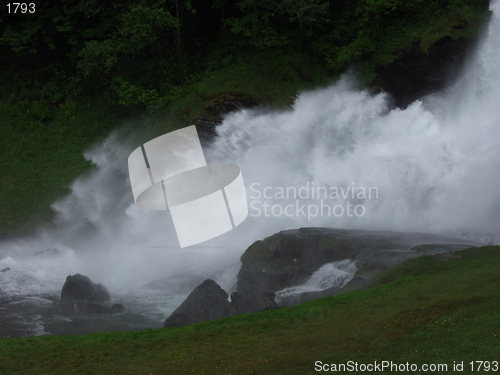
435	165
330	275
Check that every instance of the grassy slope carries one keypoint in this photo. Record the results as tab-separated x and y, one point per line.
432	309
38	160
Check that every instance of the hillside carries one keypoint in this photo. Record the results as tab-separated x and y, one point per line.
436	309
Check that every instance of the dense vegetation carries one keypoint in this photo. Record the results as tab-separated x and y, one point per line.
75	69
436	309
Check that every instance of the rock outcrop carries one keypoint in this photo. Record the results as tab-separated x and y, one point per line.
80	295
208	301
417	73
289	258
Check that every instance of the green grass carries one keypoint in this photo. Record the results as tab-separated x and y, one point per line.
435	309
41	151
45	126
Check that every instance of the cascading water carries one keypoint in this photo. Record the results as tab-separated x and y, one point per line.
435	166
330	275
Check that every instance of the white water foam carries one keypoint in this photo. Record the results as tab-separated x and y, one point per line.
330	275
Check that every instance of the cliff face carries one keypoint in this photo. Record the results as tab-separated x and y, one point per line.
418	54
417	72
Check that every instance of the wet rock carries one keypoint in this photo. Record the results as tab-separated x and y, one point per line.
177	320
80	295
243	304
5	269
117	308
92	308
208	301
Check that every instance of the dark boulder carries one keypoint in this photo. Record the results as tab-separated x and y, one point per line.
117	308
80	295
81	288
91	308
243	304
208	301
177	320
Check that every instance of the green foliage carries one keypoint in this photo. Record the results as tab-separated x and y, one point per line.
383	29
21	43
130	95
267	77
156	45
435	309
278	23
138	31
365	33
